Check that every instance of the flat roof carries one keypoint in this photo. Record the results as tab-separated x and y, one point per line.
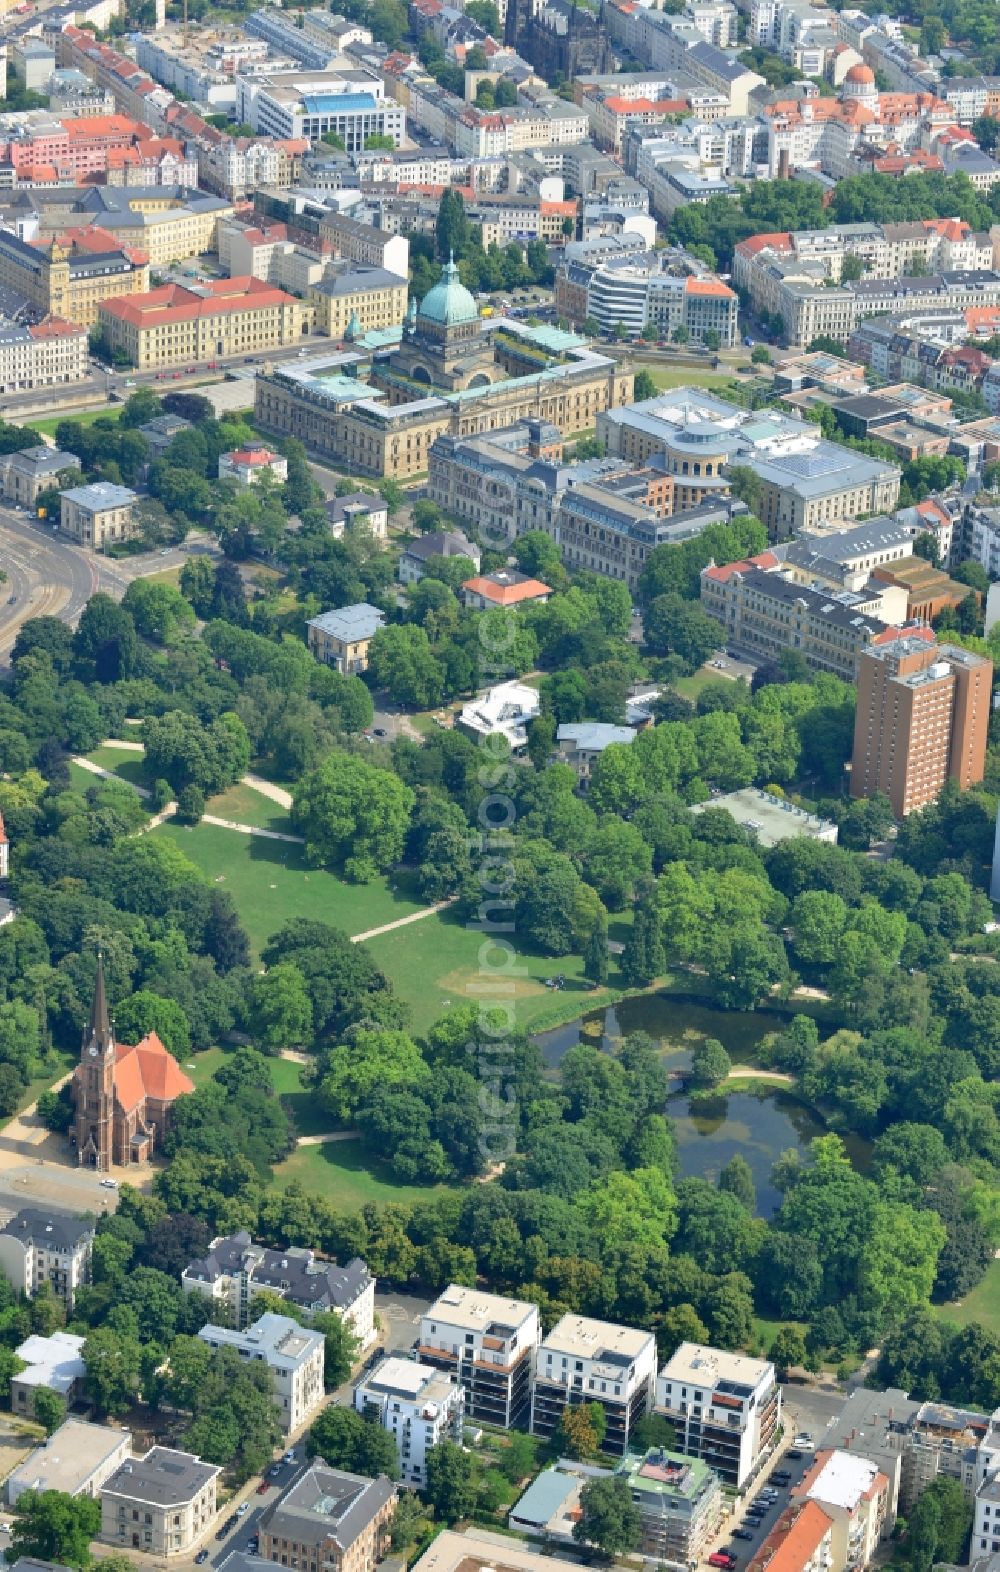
704	1366
774	819
68	1458
476	1311
477	1551
589	1339
842	1479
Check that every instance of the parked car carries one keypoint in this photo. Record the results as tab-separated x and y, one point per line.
742	1533
781	1476
201	1558
274	1472
793	1452
722	1558
243	1509
805	1441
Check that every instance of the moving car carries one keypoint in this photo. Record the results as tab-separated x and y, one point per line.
201	1558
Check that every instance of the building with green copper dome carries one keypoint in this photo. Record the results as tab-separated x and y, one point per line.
445	345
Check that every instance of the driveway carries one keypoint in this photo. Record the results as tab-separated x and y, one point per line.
400	1317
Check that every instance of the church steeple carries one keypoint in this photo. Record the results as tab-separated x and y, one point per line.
98	1039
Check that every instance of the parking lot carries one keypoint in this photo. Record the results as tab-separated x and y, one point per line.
753	1517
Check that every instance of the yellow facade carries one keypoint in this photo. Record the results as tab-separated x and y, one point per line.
57	288
180	337
374	308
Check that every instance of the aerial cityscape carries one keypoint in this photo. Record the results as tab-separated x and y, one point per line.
499	785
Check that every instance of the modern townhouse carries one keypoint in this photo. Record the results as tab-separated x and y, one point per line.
586	1361
489	1344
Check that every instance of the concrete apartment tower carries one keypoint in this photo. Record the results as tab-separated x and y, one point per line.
922	719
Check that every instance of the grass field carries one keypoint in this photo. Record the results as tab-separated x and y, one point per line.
690	687
121	761
982	1304
47	424
271	882
688	376
245	806
341	1172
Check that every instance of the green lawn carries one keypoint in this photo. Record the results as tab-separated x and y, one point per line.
47	424
688	376
245	806
690	687
435	964
982	1304
342	1173
121	761
271	883
310	1119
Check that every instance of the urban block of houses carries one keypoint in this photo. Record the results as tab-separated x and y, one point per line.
419	1406
341	638
50	1247
55	1363
248	466
235	1268
161	1503
76	1459
725	1408
488	1343
292	1353
329	1519
414	558
97	515
586	1361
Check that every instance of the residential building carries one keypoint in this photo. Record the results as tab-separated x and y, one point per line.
123	1094
161	1503
293	1354
725	1408
680	1503
175	325
341	638
69	278
48	354
489	1344
352	299
55	1363
426	548
922	718
366	245
361	512
505	587
97	515
854	1494
503	711
23	476
587	1361
419	1406
248	466
76	1459
39	1247
329	1520
876	1426
959	1443
235	1269
581	744
800	1541
161	431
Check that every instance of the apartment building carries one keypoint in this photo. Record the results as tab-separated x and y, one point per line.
350	104
489	1344
68	278
329	1521
39	1247
175	325
639	292
680	1503
587	1361
365	244
235	1269
76	1459
49	354
293	1354
341	638
854	1494
725	1408
97	515
161	1503
801	1541
419	1406
922	719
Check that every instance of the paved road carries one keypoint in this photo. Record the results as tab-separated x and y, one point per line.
248	1525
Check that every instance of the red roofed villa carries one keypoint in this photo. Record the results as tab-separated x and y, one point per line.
506	587
248	466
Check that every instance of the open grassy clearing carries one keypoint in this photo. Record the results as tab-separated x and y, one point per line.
342	1173
120	761
46	424
271	883
982	1304
688	376
245	806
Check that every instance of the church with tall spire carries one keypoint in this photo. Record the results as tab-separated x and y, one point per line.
123	1094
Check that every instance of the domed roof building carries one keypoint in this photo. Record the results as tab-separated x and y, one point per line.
445	346
859	85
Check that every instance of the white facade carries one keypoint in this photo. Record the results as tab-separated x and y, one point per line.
292	1353
249	466
76	1460
724	1407
587	1361
502	711
489	1343
418	1404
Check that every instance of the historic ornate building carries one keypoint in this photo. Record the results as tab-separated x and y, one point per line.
559	38
124	1095
444	345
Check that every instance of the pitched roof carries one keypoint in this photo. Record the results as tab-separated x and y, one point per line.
506	588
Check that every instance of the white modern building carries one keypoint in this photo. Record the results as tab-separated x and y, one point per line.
501	711
725	1408
248	466
488	1344
418	1404
292	1353
854	1494
55	1363
586	1361
76	1460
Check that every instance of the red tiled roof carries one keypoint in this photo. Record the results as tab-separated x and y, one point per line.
506	594
174	303
724	572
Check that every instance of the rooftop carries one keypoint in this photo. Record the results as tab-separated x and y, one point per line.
67	1459
325	1503
409	1379
51	1230
295	1271
281	1342
100	495
470	1308
593	736
600	1340
662	1473
350	623
703	1366
55	1362
164	1477
841	1479
772	819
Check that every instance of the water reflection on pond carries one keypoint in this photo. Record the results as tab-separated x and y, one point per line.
759	1126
